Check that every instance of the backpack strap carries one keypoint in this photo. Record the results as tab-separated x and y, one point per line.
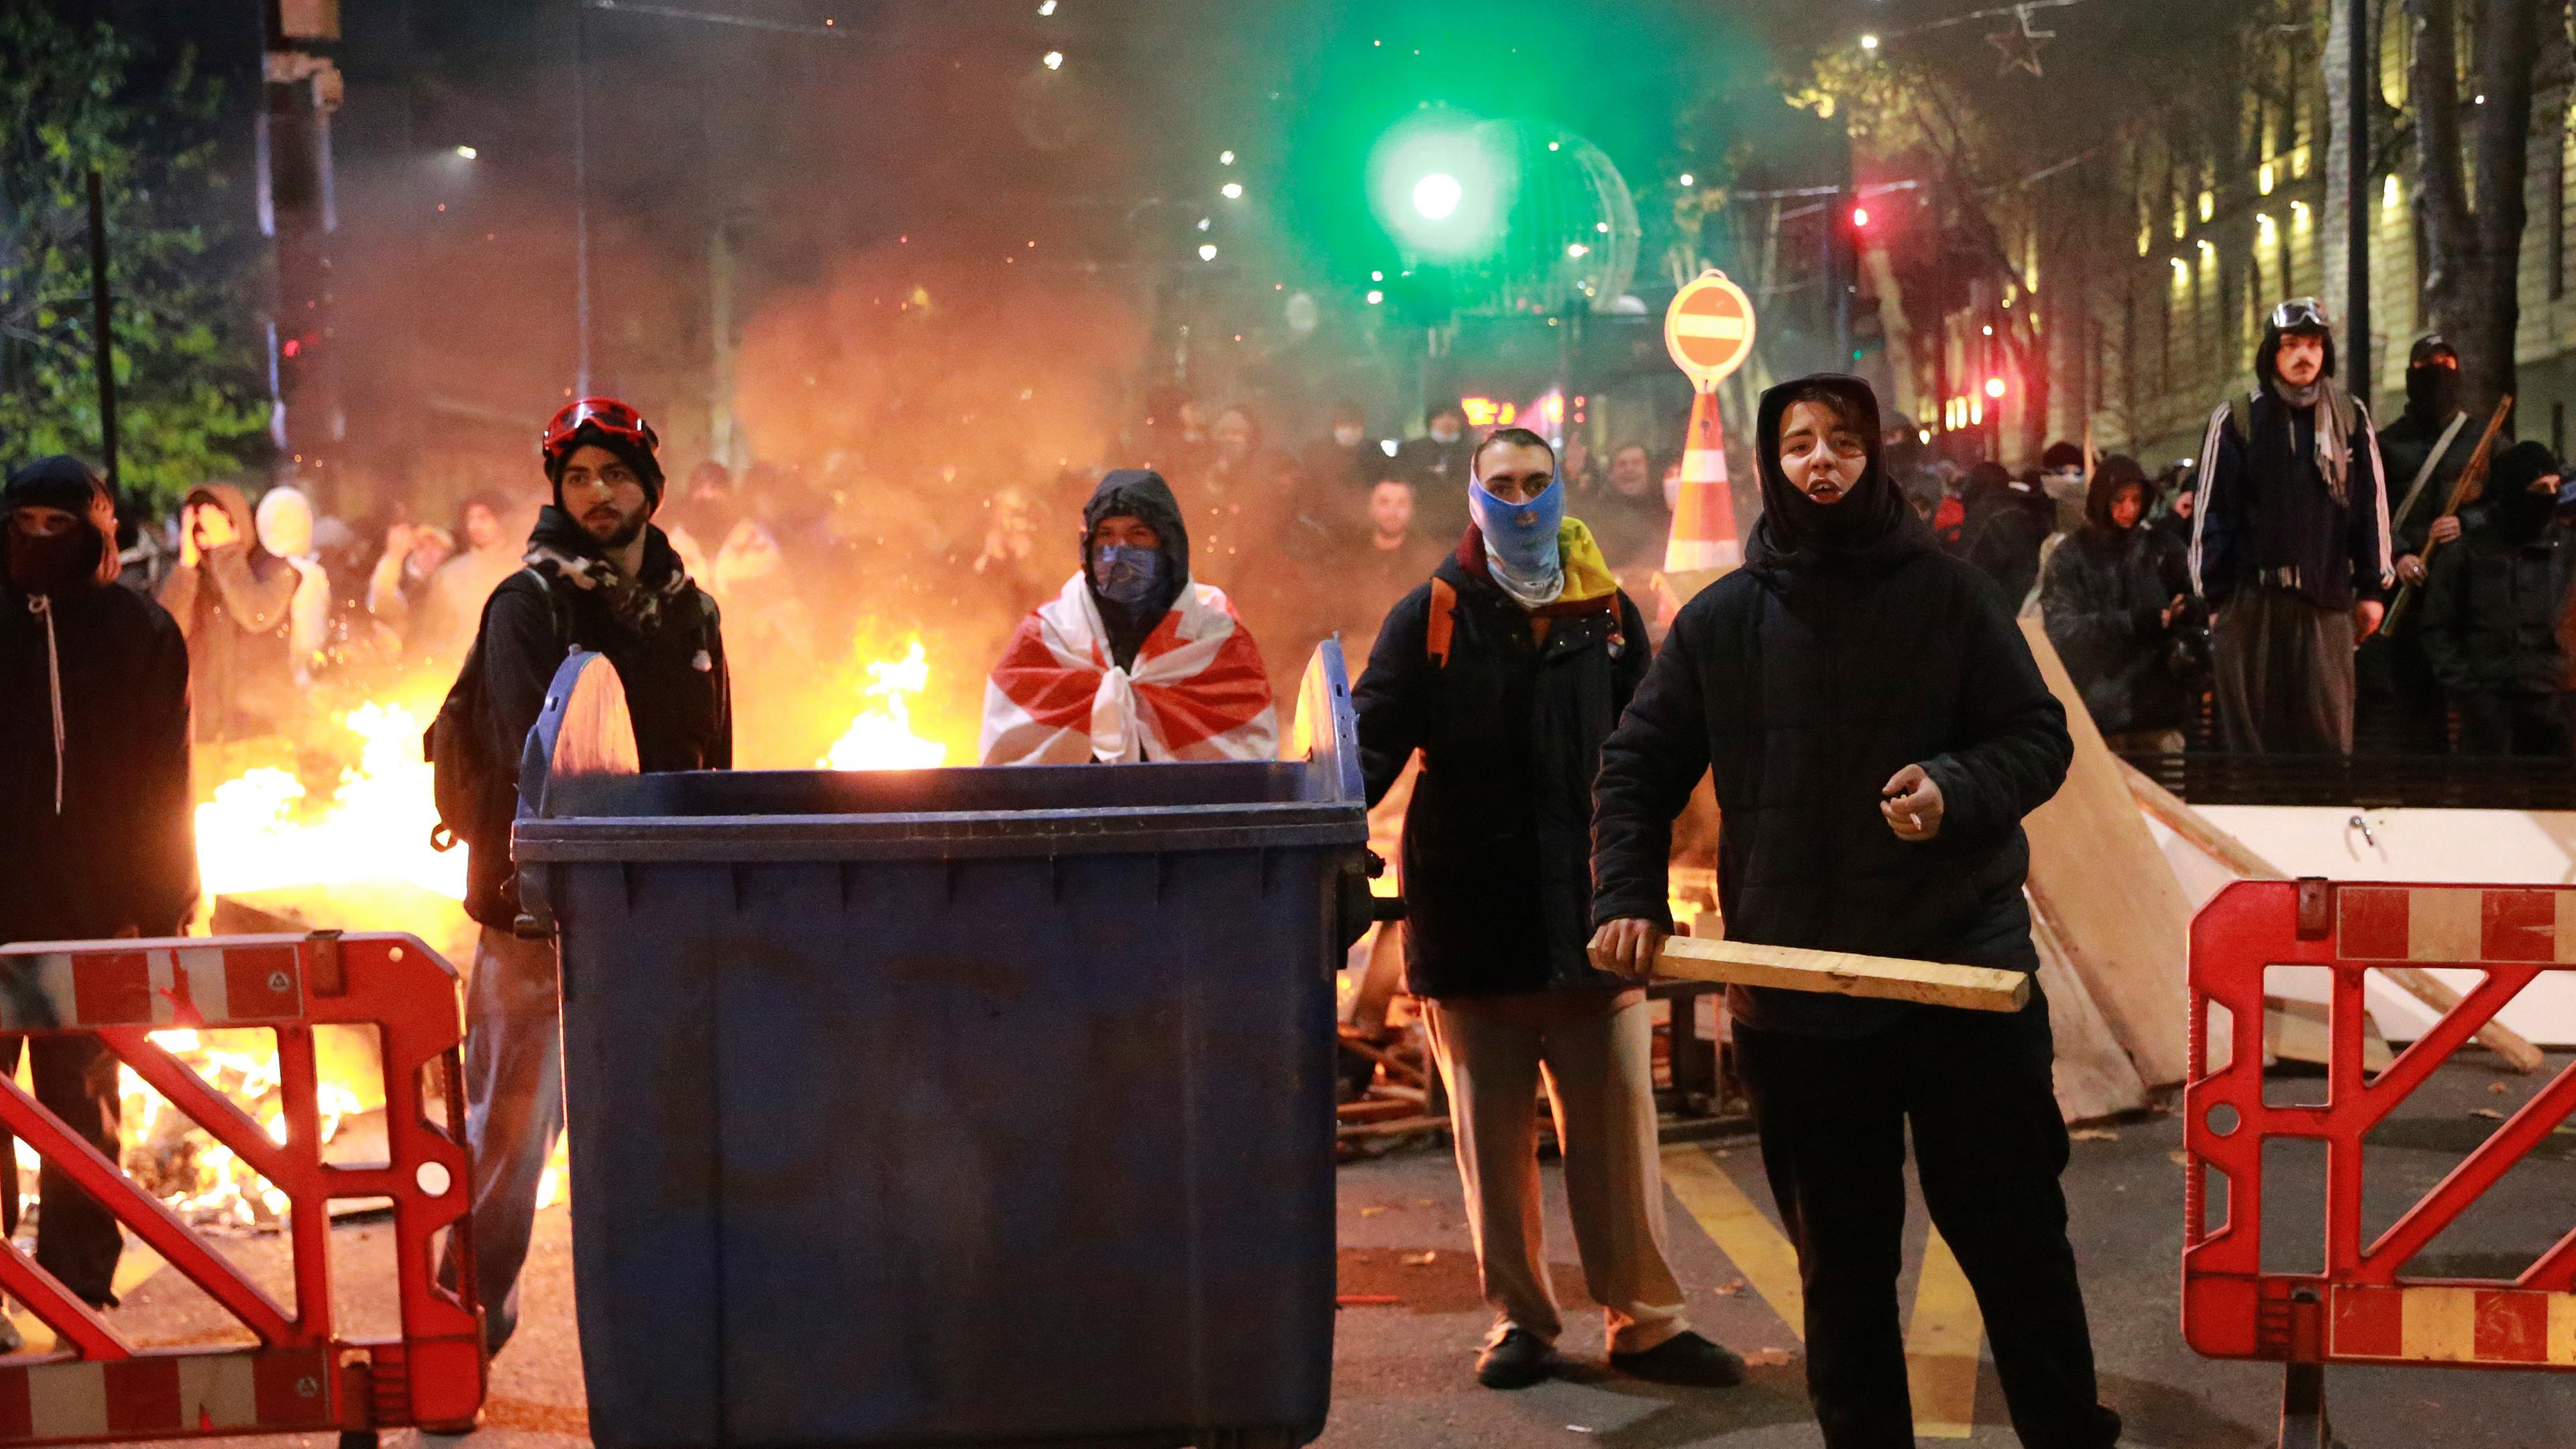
1442	623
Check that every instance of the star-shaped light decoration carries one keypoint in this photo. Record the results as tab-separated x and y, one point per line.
2019	43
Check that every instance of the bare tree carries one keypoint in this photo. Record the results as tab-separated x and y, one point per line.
2471	160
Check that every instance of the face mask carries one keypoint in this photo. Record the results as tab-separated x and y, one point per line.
55	564
1523	535
1126	574
1444	435
2063	483
2433	392
1349	435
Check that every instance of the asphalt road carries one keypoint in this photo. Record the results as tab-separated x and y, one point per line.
1402	1372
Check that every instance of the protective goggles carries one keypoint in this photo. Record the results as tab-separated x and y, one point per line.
604	414
2300	314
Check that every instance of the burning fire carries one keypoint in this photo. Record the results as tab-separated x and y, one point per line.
881	737
253	836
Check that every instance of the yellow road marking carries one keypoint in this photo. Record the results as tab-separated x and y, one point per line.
138	1263
1739	1229
1941	1346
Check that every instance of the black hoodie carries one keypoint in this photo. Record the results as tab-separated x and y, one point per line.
1140	494
1841	653
2104	599
97	825
2492	600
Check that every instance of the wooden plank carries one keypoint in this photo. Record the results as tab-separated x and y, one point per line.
2123	919
2178	817
1933	983
2094	1078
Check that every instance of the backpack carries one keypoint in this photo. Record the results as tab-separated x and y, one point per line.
476	794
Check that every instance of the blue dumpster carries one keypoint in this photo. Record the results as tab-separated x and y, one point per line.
971	1106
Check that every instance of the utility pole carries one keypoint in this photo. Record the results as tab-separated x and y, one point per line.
299	213
102	335
2357	207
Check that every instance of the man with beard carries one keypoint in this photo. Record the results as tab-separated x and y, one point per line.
599	576
1876	729
2291	545
2423	451
97	833
1134	659
2491	610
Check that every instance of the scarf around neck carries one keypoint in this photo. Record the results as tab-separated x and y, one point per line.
2333	410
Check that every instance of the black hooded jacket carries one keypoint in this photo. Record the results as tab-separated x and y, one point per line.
2001	531
2104	600
670	659
120	850
1509	712
2266	512
2492	600
1140	494
1848	647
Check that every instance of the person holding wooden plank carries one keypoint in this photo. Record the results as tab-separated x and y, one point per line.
1506	670
2291	544
1877	729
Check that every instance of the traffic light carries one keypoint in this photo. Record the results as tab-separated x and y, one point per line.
1995	388
1438	187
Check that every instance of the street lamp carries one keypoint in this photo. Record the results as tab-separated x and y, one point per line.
1436	196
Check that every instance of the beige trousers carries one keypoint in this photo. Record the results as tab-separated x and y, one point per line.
1596	1050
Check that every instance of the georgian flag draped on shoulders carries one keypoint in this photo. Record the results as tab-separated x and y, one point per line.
1197	691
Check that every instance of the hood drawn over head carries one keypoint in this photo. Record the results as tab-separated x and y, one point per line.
1140	494
235	505
285	518
2111	474
68	484
1871	526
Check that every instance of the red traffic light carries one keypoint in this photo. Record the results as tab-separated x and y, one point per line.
291	346
1994	387
1860	218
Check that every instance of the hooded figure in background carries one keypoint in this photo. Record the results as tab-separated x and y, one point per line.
2290	544
285	525
1132	660
2001	529
2491	612
2399	700
234	600
1877	729
97	826
2111	609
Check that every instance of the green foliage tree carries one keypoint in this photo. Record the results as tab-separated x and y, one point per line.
191	404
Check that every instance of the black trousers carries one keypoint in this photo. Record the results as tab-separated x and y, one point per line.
1988	1145
2499	723
76	1240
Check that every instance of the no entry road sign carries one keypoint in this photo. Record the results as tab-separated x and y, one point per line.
1709	329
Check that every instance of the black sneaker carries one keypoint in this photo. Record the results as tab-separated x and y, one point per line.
1516	1362
1685	1359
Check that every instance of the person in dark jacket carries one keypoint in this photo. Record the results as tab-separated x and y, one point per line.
2398	700
1437	465
1506	671
2002	529
599	576
233	600
2110	609
2291	548
2491	609
1877	729
97	826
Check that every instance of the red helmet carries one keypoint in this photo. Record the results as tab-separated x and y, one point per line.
604	414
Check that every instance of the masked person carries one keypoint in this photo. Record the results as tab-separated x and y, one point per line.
2423	451
97	826
284	520
1506	670
598	576
234	600
2491	610
1344	459
1132	660
2291	546
1437	466
1877	729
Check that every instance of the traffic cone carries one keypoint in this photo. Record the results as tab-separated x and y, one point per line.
1704	544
